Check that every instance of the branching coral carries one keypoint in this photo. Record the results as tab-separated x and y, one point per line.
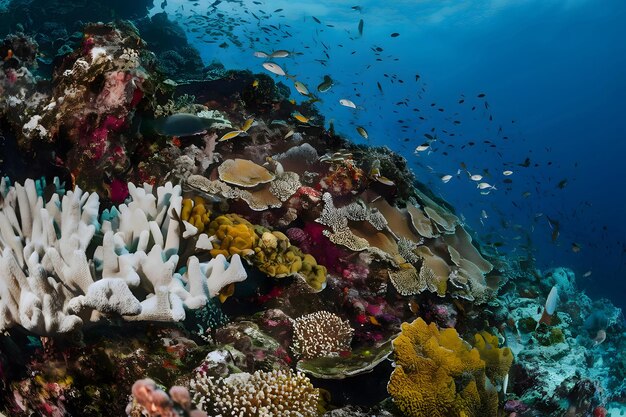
438	374
261	394
49	285
321	334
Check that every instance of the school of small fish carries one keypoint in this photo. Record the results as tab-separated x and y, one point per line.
424	127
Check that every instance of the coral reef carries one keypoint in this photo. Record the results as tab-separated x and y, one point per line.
438	374
242	267
321	334
262	394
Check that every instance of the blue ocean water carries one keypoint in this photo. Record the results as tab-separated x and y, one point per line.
552	75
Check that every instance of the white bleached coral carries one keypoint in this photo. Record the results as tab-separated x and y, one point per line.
49	285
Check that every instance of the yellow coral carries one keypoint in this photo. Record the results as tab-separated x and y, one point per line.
268	250
195	212
498	361
314	274
437	374
278	258
234	235
275	255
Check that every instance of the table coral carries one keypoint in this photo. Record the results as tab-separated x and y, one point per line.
438	374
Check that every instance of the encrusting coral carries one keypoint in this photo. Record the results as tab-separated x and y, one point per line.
438	374
195	212
234	236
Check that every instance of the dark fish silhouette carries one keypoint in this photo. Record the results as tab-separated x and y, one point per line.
182	124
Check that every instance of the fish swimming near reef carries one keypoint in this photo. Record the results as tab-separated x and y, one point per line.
362	132
301	88
554	225
274	68
325	85
347	103
182	124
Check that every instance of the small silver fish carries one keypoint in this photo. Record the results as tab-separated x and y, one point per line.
301	88
446	178
273	68
261	54
485	185
507	173
422	148
281	53
476	177
347	103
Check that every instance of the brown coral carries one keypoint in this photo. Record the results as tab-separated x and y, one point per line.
243	173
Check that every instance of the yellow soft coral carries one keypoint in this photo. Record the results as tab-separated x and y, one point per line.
437	374
314	274
498	360
275	255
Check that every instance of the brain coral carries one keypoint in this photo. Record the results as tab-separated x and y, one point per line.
437	374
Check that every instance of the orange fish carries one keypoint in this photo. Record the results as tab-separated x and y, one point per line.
9	55
374	321
176	141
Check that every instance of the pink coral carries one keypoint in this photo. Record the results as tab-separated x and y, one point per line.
156	402
118	191
115	91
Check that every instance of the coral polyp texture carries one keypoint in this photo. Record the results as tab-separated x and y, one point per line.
261	394
321	334
438	374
